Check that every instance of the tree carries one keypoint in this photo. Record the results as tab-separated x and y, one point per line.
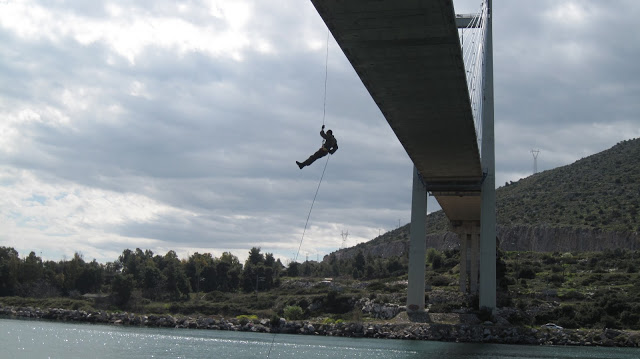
31	270
359	262
152	280
200	269
255	257
9	264
72	270
132	262
176	283
122	286
294	269
269	260
434	258
91	277
228	270
251	275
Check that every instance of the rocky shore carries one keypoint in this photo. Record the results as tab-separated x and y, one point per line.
487	332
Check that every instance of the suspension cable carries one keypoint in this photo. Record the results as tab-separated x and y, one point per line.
473	58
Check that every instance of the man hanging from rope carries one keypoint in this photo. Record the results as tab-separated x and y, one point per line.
329	145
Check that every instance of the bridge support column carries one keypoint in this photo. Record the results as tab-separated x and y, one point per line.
474	234
417	245
464	259
488	192
469	234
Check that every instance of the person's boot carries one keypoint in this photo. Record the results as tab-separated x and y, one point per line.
300	165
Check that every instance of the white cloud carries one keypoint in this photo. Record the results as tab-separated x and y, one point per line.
130	31
568	13
33	211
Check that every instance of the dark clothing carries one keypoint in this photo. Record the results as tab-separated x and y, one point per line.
330	145
319	154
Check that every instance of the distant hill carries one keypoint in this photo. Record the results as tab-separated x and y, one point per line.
601	191
591	204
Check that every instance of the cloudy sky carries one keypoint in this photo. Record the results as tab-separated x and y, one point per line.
175	124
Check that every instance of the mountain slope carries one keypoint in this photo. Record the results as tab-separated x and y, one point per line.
601	191
591	204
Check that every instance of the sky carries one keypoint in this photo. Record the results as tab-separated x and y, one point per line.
175	125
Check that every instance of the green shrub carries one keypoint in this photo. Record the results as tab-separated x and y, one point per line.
527	273
572	294
440	281
275	320
328	321
556	278
293	312
244	319
376	286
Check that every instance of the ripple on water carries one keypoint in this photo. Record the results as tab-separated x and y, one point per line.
41	339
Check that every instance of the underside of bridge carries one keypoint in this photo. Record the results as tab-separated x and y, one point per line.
408	55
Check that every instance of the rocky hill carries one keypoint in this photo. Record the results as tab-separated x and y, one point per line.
589	205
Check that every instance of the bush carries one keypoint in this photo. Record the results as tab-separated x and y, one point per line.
572	294
337	304
519	317
440	281
275	320
556	278
376	286
485	314
293	312
526	273
244	319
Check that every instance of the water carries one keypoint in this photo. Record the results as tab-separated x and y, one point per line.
42	339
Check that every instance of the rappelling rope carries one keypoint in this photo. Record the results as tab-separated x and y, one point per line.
312	202
326	73
324	113
271	345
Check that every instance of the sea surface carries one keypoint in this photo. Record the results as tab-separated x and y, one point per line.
45	339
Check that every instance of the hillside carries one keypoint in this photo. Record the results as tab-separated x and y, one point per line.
591	204
601	191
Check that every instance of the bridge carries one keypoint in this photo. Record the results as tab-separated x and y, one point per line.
408	55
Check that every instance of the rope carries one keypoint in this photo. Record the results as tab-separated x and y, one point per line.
271	346
326	73
312	202
324	113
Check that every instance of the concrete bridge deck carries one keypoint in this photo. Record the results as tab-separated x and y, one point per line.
408	55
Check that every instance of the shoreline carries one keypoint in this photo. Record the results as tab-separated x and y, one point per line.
463	333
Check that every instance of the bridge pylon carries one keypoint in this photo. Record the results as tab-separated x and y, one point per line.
469	234
417	245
